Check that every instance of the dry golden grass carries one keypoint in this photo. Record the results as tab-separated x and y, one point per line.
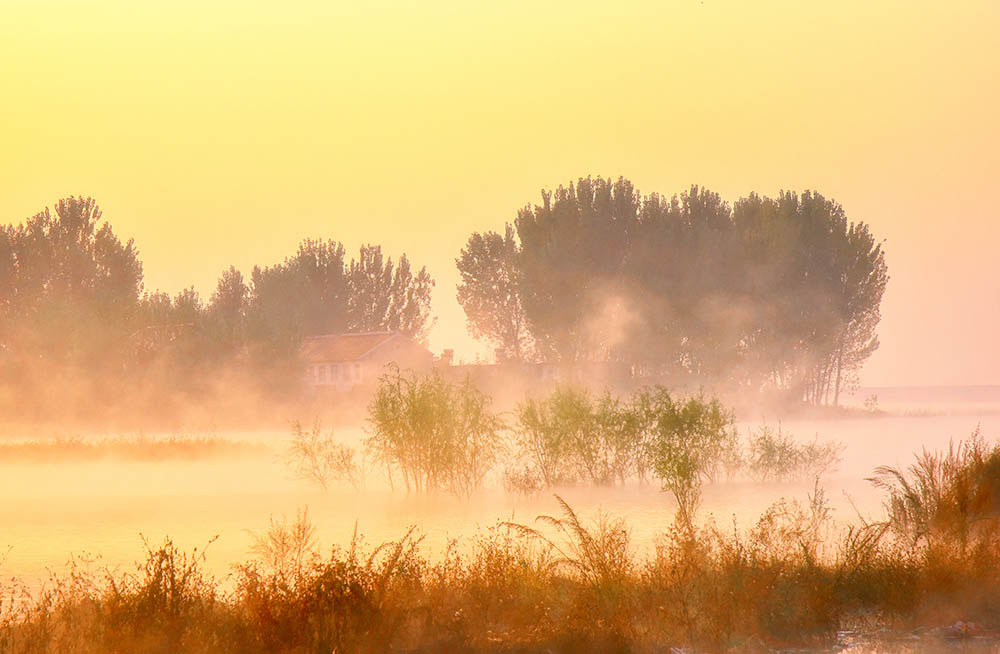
559	585
125	448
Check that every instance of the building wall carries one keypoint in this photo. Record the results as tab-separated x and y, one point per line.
402	352
338	375
342	376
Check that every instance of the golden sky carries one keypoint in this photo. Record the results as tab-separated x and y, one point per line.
220	133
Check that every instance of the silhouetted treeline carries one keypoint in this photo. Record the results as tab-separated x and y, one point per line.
769	294
77	330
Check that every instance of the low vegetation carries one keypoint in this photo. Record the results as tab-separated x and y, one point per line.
565	439
947	502
317	457
125	448
572	437
437	435
433	434
562	584
775	456
285	549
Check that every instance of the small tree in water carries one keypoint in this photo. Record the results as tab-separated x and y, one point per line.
570	436
317	457
437	435
689	442
286	549
558	436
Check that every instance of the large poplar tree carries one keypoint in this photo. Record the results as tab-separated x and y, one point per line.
489	291
69	287
780	293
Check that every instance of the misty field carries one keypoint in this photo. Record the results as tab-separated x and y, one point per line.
237	551
499	328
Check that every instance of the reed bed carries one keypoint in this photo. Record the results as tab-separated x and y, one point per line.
125	448
561	583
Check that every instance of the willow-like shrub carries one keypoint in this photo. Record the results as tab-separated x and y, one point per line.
434	434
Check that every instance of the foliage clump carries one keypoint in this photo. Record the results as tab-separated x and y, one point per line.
774	456
947	501
570	437
435	434
690	441
319	458
774	293
286	549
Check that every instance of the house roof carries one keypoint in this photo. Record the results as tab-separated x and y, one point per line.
344	347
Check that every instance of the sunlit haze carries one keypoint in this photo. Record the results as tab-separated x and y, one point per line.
224	133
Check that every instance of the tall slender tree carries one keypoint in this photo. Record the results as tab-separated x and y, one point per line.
573	249
387	296
489	292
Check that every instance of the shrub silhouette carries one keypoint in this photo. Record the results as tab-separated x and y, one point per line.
437	435
319	458
775	456
946	500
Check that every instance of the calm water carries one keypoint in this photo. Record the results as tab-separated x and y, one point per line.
51	511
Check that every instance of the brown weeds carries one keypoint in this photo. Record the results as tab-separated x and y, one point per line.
564	585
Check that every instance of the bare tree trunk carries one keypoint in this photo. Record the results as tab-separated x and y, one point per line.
827	372
840	367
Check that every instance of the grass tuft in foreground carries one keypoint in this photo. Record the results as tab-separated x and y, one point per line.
563	584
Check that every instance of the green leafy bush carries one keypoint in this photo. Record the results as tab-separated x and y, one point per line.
436	435
775	456
689	441
571	437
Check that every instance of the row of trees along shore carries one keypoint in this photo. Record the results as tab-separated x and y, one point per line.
74	309
767	293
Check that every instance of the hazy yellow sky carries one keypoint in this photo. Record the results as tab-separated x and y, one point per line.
220	133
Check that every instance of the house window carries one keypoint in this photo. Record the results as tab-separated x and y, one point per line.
357	371
322	373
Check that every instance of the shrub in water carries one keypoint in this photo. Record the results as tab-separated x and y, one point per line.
317	457
775	456
437	435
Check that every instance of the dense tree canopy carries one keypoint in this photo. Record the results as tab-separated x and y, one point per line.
305	294
69	288
318	292
385	296
489	292
780	293
73	312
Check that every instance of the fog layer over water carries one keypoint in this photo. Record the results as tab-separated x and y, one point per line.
99	510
